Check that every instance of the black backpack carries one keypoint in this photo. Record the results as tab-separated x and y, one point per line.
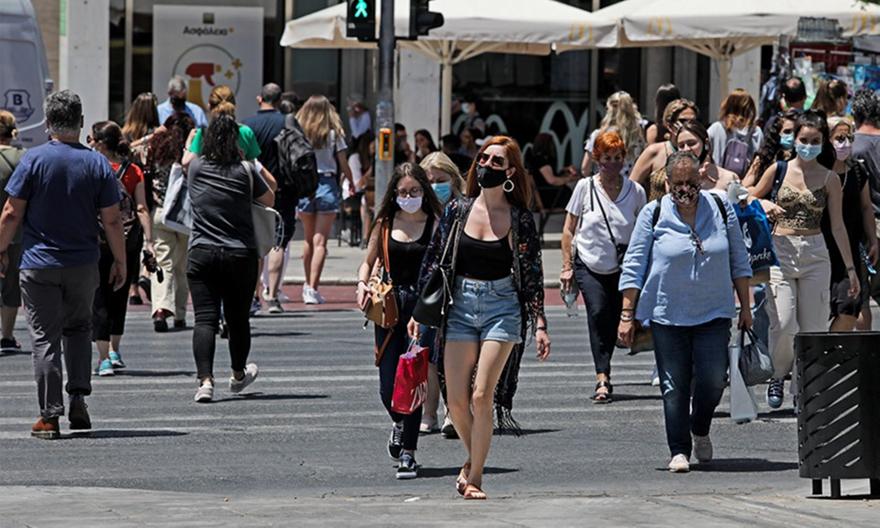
131	225
297	165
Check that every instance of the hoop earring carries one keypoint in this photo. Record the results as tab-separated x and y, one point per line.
512	185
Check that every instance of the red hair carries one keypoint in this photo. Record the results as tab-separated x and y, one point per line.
608	143
521	195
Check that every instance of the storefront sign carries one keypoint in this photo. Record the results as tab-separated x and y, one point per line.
209	46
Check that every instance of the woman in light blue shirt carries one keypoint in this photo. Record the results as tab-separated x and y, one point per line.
677	275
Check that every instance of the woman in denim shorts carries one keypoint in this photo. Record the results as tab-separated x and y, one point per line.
323	129
498	296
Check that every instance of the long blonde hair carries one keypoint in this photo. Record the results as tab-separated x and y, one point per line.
622	117
317	118
441	162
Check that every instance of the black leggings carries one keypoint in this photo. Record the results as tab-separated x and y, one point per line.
111	306
215	276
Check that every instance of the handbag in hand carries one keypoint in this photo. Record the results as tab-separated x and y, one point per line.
435	297
755	363
381	307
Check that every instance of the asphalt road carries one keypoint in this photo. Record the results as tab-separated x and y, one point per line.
313	427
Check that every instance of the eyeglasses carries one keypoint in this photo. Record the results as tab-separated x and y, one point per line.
415	192
495	161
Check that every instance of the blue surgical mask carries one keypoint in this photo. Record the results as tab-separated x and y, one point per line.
443	191
786	141
808	152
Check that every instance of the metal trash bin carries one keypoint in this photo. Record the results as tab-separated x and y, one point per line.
838	408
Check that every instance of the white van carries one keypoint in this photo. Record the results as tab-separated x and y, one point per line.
24	71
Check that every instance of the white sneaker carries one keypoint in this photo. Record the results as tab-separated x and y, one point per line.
250	375
655	378
703	449
679	464
265	294
309	295
205	393
318	297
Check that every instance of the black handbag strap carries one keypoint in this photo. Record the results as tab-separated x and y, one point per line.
593	192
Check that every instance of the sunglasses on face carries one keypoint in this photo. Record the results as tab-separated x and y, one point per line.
497	162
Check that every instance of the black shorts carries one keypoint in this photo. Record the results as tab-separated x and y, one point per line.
842	303
287	209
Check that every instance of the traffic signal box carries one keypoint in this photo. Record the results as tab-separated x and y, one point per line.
361	20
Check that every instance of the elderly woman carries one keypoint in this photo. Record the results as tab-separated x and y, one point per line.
689	241
601	215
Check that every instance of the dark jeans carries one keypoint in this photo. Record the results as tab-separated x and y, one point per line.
397	345
217	275
690	356
111	306
604	302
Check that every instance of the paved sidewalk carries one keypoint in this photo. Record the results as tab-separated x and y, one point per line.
343	261
22	507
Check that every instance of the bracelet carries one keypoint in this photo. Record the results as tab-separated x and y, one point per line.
626	319
851	268
539	328
627	310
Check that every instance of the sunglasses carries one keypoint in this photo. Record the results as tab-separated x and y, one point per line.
697	242
497	162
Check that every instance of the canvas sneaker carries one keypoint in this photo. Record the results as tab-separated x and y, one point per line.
407	468
775	393
679	464
206	392
250	375
395	441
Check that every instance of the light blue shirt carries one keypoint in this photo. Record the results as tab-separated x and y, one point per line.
678	285
194	111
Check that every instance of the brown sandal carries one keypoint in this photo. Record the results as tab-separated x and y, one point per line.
472	492
461	482
603	397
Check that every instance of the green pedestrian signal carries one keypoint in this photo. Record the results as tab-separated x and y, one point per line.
360	22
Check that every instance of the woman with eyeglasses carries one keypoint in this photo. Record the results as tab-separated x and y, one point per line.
494	256
804	190
650	169
858	217
690	240
404	227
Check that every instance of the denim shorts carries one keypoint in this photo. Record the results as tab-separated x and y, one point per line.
326	198
484	311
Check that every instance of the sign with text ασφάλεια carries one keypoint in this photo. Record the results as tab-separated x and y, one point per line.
209	46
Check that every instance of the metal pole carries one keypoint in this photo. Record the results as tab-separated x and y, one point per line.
594	78
385	106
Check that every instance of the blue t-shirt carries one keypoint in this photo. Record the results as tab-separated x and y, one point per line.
65	186
267	124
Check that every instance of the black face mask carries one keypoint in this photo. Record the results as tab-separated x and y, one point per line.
178	102
487	177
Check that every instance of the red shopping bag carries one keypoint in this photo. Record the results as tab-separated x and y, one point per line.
411	380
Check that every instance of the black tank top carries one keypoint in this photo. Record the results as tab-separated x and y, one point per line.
483	260
406	257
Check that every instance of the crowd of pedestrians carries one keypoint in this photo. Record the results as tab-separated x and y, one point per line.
653	213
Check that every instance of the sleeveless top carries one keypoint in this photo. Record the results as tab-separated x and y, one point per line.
486	260
803	209
657	184
406	257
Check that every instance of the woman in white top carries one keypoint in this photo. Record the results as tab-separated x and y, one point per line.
323	129
601	216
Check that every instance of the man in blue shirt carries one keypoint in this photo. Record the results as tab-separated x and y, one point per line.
267	124
58	191
177	102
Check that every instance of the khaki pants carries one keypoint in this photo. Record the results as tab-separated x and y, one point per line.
171	248
799	300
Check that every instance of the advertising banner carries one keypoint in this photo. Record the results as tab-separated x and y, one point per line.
209	46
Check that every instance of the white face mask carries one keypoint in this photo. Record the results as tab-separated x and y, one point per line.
410	205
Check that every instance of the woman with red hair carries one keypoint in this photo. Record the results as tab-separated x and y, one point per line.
601	215
497	298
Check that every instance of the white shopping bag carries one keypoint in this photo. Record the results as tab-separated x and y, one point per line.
743	408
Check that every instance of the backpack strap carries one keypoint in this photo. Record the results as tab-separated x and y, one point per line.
721	209
656	214
781	169
123	168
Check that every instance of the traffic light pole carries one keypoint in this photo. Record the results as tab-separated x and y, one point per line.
384	164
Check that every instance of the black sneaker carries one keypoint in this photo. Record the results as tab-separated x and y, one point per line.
9	346
160	324
79	414
775	393
395	441
407	469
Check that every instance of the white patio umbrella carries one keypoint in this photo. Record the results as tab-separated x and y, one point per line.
471	27
724	29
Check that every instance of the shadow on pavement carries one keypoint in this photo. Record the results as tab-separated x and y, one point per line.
635	397
524	432
272	397
120	433
429	472
17	353
154	373
744	465
278	334
285	315
771	415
